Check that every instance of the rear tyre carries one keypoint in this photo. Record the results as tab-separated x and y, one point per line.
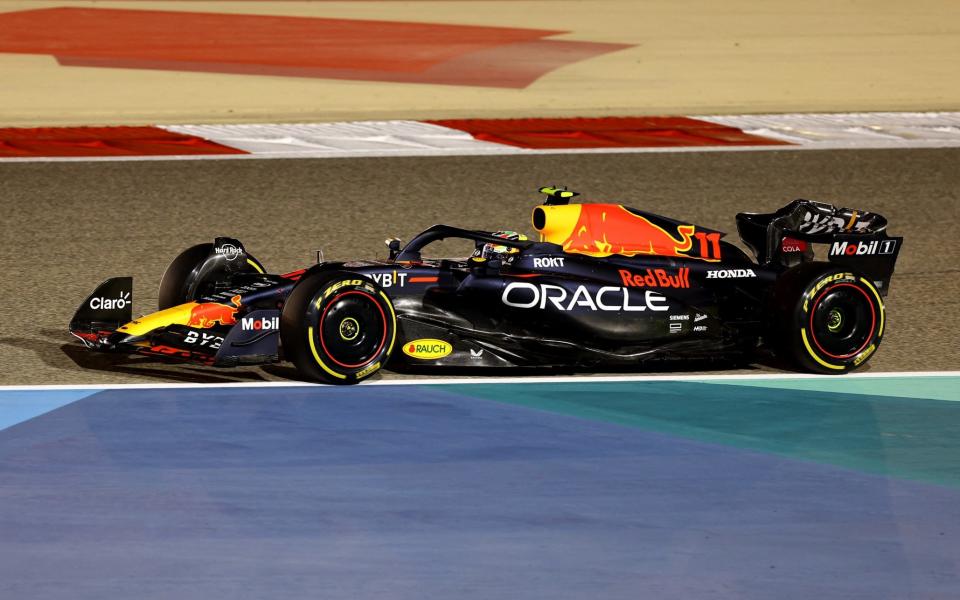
338	327
826	320
183	280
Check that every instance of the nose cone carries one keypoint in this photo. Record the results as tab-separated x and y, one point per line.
179	315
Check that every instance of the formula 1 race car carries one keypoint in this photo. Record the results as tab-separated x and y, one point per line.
604	287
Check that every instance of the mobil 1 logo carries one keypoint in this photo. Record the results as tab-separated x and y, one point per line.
873	247
851	246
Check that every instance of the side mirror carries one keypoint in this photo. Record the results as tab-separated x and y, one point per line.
394	245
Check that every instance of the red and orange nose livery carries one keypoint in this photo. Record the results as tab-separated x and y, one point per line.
606	229
200	315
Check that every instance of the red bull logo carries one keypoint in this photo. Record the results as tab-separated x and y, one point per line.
656	278
208	314
605	229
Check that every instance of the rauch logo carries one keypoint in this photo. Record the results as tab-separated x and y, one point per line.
427	349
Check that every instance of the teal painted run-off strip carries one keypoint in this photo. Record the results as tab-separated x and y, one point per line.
19	406
900	436
936	387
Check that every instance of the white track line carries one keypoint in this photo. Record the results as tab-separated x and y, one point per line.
849	129
487	380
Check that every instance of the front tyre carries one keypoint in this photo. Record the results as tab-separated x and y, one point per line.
830	320
338	327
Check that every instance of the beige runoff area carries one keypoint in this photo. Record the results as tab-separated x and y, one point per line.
690	57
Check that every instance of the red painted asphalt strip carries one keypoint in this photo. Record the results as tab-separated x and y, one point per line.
104	141
606	132
536	134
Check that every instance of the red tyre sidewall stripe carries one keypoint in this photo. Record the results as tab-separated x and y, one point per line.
873	322
383	318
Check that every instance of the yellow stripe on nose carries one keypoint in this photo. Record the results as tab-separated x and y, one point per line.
175	315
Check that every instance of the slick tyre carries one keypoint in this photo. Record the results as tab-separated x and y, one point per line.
183	280
826	320
338	327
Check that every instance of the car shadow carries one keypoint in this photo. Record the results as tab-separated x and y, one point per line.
284	371
67	356
678	367
146	366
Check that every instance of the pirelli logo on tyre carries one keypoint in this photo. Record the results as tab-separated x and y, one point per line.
340	284
864	355
427	349
367	370
820	285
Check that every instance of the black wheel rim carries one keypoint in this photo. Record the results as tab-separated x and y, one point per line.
842	321
352	329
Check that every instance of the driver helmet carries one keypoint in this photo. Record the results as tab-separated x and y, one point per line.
492	251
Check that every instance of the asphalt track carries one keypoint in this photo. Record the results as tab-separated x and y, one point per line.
69	225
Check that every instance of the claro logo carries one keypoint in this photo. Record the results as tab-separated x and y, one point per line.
521	294
427	349
120	302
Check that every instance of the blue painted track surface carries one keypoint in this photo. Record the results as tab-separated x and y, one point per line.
417	492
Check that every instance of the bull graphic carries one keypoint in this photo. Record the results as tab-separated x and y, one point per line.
605	229
208	314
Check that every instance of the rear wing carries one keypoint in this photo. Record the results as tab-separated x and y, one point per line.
855	239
